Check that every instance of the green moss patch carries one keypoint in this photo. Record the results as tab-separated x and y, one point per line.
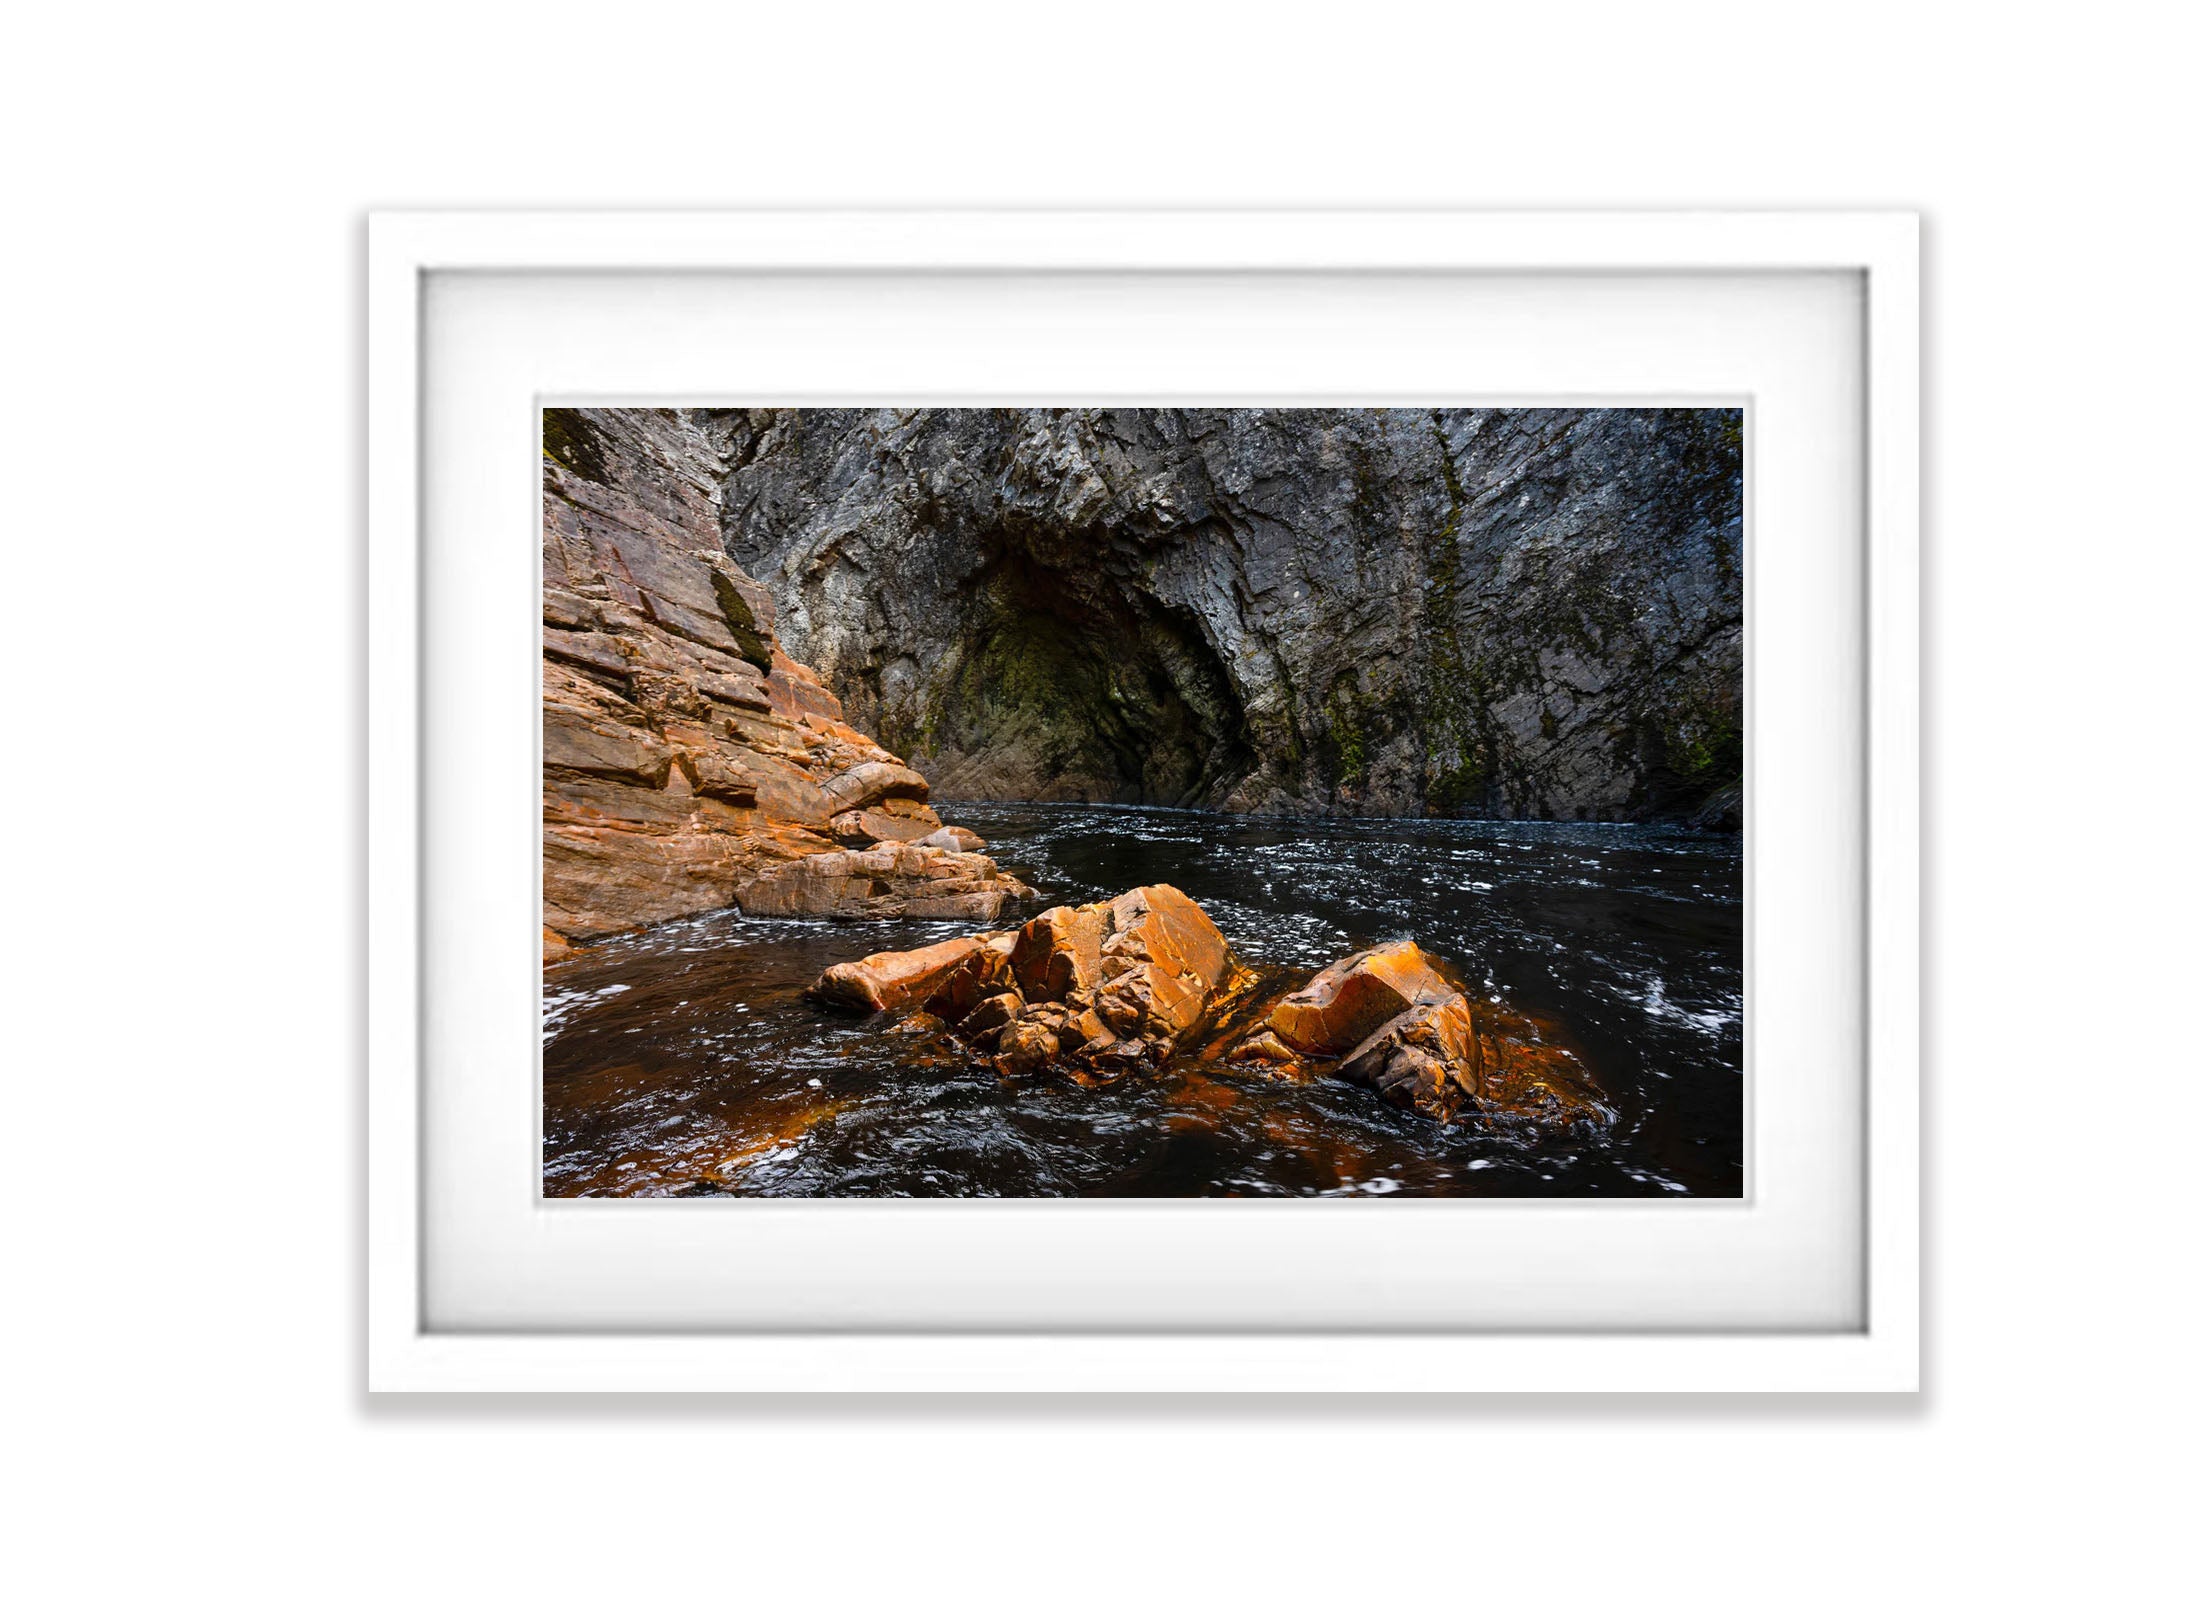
741	622
574	443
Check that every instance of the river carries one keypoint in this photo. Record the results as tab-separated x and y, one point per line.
683	1059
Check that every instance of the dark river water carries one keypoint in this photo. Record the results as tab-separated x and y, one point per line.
683	1059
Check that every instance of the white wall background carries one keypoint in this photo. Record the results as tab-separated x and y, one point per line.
182	454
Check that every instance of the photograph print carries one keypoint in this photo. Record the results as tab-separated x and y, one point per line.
1142	802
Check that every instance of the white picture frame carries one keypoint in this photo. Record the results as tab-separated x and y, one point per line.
405	1352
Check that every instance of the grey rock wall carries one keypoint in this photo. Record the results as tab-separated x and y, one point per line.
1528	613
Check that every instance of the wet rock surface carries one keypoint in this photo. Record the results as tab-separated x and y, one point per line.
1477	612
1090	994
1085	994
1393	1019
689	763
890	978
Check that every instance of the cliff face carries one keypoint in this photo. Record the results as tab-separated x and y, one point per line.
688	763
1528	613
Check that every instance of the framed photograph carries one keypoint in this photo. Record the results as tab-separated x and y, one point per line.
1131	801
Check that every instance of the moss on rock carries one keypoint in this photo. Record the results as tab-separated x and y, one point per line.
574	443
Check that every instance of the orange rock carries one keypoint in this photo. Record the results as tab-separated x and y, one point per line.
985	1020
1088	994
1348	1001
1155	956
797	692
720	779
593	745
1401	1027
1109	1063
876	825
1083	1030
977	977
891	978
1082	1050
1265	1046
871	781
1028	1044
733	689
1058	952
1177	955
1425	1059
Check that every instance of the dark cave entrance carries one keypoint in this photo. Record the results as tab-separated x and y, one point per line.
1070	688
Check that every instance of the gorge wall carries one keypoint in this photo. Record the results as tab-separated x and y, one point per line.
1515	613
688	762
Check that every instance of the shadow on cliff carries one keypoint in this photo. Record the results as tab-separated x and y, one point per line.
1072	686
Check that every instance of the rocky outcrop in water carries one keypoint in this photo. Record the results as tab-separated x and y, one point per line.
1392	1019
688	762
1085	994
1522	613
1088	995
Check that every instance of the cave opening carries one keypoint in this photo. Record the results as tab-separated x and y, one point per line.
1075	686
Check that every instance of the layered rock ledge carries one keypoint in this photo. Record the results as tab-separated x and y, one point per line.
1087	995
689	763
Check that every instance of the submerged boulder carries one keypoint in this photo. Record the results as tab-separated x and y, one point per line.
890	978
1424	1059
1349	1000
1391	1018
1525	1071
